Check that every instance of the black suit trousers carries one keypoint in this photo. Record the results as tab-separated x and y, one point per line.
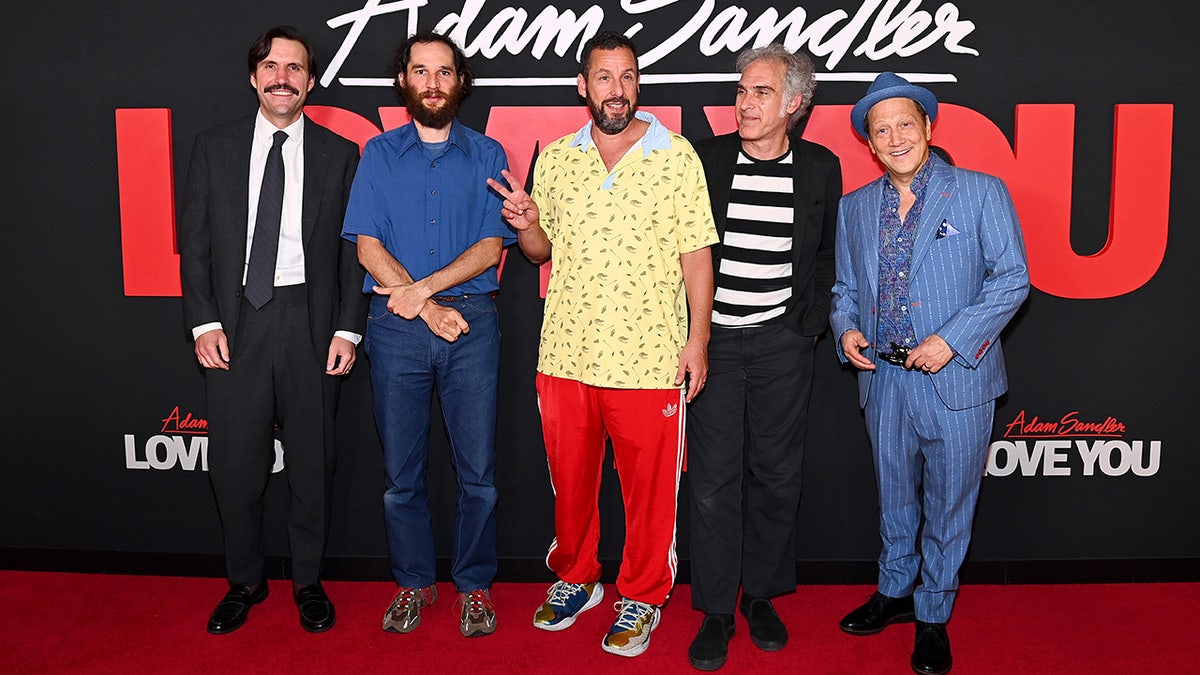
274	377
745	451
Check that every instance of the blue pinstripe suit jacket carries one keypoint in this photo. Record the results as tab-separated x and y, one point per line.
965	287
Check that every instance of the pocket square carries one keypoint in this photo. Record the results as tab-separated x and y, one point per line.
946	230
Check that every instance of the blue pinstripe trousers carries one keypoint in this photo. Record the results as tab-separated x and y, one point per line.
929	461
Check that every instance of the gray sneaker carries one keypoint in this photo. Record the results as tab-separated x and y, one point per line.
478	614
404	615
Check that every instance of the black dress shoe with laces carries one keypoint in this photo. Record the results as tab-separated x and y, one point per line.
767	632
233	609
711	645
931	649
316	610
878	613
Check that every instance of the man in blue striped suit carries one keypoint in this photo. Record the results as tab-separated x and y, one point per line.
930	268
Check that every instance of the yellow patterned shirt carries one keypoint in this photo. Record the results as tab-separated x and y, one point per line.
616	308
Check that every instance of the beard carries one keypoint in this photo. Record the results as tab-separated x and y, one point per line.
611	125
434	118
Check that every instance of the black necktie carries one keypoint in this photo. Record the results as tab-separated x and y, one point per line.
260	277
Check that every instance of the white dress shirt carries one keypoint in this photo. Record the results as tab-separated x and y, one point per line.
289	261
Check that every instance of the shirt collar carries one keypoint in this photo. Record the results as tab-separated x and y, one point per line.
264	131
657	137
410	137
920	180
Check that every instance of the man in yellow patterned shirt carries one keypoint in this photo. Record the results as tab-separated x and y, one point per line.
622	210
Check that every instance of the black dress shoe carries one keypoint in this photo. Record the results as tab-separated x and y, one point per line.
316	611
931	649
711	646
767	632
233	609
878	613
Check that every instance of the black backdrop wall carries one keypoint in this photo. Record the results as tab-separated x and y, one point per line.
1093	455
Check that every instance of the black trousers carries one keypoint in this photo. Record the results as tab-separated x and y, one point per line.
274	377
745	451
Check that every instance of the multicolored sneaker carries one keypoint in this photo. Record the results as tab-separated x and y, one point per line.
404	615
478	613
630	633
566	601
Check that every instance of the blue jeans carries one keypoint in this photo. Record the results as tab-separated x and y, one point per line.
407	361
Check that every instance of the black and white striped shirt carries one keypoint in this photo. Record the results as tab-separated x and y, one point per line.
754	279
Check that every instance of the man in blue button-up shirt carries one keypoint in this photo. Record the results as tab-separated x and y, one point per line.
429	234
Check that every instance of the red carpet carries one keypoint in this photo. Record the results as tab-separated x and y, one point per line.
131	624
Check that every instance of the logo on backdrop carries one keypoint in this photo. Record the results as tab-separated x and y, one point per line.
1037	163
1072	445
181	443
874	29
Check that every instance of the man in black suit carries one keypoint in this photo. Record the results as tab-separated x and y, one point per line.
774	200
273	297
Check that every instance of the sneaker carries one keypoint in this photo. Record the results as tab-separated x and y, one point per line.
630	633
478	614
404	615
566	601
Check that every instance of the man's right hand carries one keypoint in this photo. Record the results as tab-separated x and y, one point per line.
853	344
519	210
445	322
212	349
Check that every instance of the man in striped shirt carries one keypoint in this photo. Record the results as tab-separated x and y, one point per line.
774	200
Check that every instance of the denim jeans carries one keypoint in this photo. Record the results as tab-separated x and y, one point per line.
407	361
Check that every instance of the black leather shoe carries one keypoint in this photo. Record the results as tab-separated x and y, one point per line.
233	609
931	649
878	613
316	611
711	646
767	632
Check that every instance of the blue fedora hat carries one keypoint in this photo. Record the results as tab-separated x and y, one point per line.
890	85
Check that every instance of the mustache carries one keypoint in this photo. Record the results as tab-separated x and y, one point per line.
615	99
282	87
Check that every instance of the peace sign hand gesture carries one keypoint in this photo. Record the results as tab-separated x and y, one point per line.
519	209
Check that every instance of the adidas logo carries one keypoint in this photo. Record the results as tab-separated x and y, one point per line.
671	409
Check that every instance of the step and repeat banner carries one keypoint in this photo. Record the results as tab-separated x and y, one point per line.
1084	109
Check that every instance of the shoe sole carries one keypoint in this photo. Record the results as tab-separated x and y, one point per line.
768	645
903	618
706	664
919	671
480	632
321	628
566	623
635	650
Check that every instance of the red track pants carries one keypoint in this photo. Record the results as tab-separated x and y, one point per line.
647	430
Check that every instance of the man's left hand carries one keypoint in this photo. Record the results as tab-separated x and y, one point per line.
693	366
341	357
406	300
930	356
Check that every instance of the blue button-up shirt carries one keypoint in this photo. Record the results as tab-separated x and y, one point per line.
428	208
895	260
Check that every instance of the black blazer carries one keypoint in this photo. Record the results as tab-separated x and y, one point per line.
212	232
817	180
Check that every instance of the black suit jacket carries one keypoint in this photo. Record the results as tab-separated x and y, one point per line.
817	184
212	232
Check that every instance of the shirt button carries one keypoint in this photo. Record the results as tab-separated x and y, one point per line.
903	308
433	165
430	251
902	275
433	192
433	221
